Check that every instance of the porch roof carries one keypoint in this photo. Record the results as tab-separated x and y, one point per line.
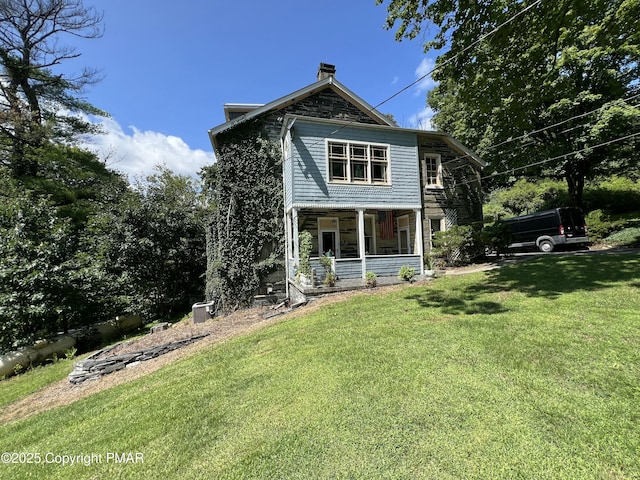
355	206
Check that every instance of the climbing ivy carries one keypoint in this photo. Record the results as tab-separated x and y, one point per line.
245	231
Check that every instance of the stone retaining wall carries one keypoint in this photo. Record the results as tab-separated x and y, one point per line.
101	363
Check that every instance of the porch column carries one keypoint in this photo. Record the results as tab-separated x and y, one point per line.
361	242
419	240
296	240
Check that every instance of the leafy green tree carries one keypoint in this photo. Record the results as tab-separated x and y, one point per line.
37	103
152	246
503	78
48	283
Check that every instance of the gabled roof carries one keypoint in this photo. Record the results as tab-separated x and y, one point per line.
329	82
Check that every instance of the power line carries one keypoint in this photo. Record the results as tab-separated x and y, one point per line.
565	155
468	47
540	130
436	67
533	132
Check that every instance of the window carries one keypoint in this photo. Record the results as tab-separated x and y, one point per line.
432	171
338	161
435	225
358	163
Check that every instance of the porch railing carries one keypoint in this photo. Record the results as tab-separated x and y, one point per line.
387	265
381	265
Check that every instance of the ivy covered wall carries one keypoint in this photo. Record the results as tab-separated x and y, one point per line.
245	232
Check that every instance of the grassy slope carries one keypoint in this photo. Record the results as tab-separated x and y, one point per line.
525	372
14	388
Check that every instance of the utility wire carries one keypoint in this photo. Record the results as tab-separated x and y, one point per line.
533	132
436	67
468	47
564	155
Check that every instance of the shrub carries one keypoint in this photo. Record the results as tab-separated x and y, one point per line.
613	195
598	225
455	246
628	236
496	237
370	279
406	273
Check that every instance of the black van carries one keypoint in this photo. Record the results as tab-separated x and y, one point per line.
548	229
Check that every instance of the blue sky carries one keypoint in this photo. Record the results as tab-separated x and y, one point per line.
168	68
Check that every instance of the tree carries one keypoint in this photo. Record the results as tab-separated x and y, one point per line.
48	282
35	102
506	77
152	246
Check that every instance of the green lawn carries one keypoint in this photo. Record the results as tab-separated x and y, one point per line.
13	388
530	371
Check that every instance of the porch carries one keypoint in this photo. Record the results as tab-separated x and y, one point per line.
357	241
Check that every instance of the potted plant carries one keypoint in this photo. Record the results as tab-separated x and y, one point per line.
330	276
370	279
406	273
429	264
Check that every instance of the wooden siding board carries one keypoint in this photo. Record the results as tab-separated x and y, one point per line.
467	198
390	265
310	167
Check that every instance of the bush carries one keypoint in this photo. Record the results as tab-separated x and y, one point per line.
614	195
525	197
456	245
628	236
370	279
406	273
598	225
496	237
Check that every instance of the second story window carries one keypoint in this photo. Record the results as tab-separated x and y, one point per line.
432	171
351	162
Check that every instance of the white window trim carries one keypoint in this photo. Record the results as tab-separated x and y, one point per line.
438	158
349	180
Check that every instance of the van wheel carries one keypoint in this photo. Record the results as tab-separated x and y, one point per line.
546	246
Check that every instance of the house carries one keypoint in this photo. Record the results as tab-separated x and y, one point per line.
371	194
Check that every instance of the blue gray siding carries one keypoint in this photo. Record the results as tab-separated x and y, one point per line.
309	168
390	265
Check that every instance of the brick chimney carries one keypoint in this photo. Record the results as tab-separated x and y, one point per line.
325	70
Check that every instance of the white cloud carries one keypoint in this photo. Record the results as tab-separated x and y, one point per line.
139	152
424	70
422	120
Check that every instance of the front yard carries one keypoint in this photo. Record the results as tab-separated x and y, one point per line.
529	371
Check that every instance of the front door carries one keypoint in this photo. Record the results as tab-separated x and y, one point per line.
404	238
328	243
329	236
